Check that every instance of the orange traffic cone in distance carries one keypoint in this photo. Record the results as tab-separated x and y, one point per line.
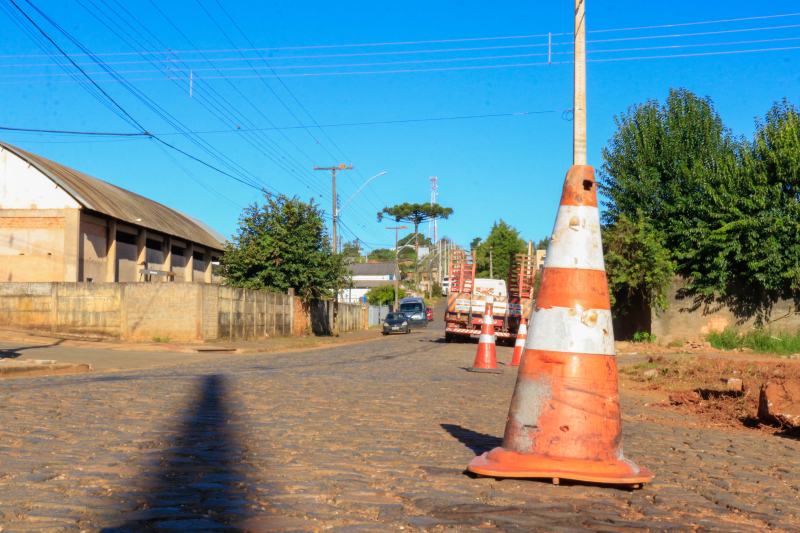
564	420
519	345
486	358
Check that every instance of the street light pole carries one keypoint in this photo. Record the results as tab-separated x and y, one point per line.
396	266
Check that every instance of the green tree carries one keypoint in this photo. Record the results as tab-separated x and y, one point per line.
725	208
423	240
416	214
504	240
384	294
543	244
638	266
475	243
352	248
382	255
281	244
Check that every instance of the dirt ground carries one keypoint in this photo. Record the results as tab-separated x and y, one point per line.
699	386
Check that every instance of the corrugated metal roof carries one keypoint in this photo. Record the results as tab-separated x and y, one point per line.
97	195
371	269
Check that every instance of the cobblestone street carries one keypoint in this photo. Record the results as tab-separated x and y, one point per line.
373	436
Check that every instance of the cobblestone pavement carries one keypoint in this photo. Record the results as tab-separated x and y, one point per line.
358	438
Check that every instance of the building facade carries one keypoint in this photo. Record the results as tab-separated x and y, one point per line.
58	224
366	276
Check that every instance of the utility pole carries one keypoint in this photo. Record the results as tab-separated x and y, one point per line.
396	266
491	264
335	213
579	91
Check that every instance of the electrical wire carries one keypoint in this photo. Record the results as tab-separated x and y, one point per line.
446	69
142	129
447	50
472	39
444	60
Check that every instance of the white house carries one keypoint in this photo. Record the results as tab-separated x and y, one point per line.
366	276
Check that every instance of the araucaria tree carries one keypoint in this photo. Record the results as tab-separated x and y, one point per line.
722	211
281	244
415	214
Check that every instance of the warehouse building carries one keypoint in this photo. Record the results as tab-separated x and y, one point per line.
58	224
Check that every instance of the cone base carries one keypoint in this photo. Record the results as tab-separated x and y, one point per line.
485	370
503	463
512	363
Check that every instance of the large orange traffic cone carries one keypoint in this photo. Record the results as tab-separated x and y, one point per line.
486	358
564	419
522	334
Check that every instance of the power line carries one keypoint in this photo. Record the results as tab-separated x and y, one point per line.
445	50
441	69
399	43
145	134
731	43
114	102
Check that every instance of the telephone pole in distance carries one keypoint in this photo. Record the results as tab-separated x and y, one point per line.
396	267
335	213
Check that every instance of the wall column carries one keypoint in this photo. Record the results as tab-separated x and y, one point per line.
166	252
111	253
141	251
188	253
208	266
72	239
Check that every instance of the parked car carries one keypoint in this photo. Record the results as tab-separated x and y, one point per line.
395	323
414	309
429	311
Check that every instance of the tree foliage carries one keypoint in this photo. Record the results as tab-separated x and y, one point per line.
725	208
384	294
638	266
543	244
416	214
504	240
281	244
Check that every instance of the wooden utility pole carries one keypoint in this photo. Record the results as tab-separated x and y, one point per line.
396	266
579	91
335	206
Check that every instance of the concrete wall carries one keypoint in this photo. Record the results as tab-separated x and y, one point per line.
691	317
93	252
31	247
182	312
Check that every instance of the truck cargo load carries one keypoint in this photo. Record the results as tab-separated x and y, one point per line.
466	299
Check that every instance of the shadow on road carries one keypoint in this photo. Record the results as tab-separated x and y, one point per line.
13	353
197	484
477	442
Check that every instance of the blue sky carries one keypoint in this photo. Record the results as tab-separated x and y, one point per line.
508	167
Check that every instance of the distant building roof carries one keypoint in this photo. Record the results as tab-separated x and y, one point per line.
369	283
371	269
97	195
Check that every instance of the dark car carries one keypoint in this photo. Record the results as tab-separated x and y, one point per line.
395	323
415	312
429	311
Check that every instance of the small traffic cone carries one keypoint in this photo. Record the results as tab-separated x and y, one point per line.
486	358
522	334
564	420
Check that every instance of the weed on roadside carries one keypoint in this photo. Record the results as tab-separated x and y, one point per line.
165	339
760	341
